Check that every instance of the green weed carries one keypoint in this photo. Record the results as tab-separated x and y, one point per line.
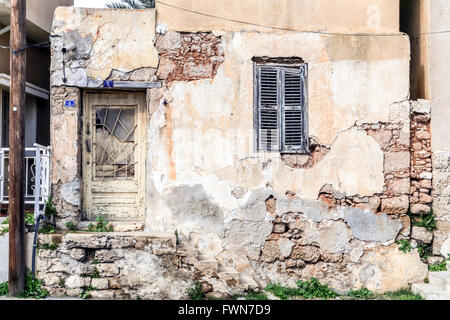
196	292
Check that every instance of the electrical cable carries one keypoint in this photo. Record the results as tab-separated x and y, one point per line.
36	45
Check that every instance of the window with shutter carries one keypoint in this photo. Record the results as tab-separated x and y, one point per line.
281	108
269	111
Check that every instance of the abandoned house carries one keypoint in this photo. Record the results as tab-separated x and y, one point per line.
240	144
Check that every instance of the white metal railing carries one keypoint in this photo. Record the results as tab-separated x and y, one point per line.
37	176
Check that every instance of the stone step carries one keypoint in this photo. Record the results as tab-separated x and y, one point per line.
228	273
187	251
429	292
119	226
206	264
440	280
247	283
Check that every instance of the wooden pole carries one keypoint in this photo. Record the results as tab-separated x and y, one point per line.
17	148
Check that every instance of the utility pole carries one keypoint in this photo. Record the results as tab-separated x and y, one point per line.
17	148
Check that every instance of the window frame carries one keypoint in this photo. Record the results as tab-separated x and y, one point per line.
282	148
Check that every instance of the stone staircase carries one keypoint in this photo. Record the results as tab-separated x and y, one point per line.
438	288
208	265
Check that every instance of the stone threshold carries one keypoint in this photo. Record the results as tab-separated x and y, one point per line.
87	239
119	226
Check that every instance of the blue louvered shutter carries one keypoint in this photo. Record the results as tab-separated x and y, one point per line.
269	108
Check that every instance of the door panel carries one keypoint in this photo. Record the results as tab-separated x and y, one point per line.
114	156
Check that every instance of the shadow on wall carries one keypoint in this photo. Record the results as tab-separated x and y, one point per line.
191	207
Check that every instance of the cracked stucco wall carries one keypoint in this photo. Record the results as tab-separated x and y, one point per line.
206	181
440	115
204	178
105	43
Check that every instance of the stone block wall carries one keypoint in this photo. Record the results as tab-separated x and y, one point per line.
441	202
421	164
340	250
112	266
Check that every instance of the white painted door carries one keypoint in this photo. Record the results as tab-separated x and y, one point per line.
114	156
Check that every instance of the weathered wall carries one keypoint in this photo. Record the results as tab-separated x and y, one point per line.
112	266
379	16
224	197
440	116
206	181
65	141
341	208
103	44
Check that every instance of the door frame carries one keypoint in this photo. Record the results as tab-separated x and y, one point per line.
142	150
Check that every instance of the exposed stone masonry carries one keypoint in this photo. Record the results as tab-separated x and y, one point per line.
394	141
421	165
345	242
113	266
188	56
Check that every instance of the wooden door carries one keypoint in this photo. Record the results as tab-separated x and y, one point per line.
114	156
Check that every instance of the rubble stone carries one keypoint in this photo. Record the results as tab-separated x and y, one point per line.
422	234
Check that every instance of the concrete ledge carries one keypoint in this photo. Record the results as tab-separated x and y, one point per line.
159	243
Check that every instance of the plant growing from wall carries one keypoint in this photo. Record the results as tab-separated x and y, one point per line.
424	250
196	293
49	212
442	266
256	296
85	294
426	221
101	226
405	246
33	288
51	246
363	294
306	289
47	229
71	226
95	274
314	289
177	237
402	294
281	292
